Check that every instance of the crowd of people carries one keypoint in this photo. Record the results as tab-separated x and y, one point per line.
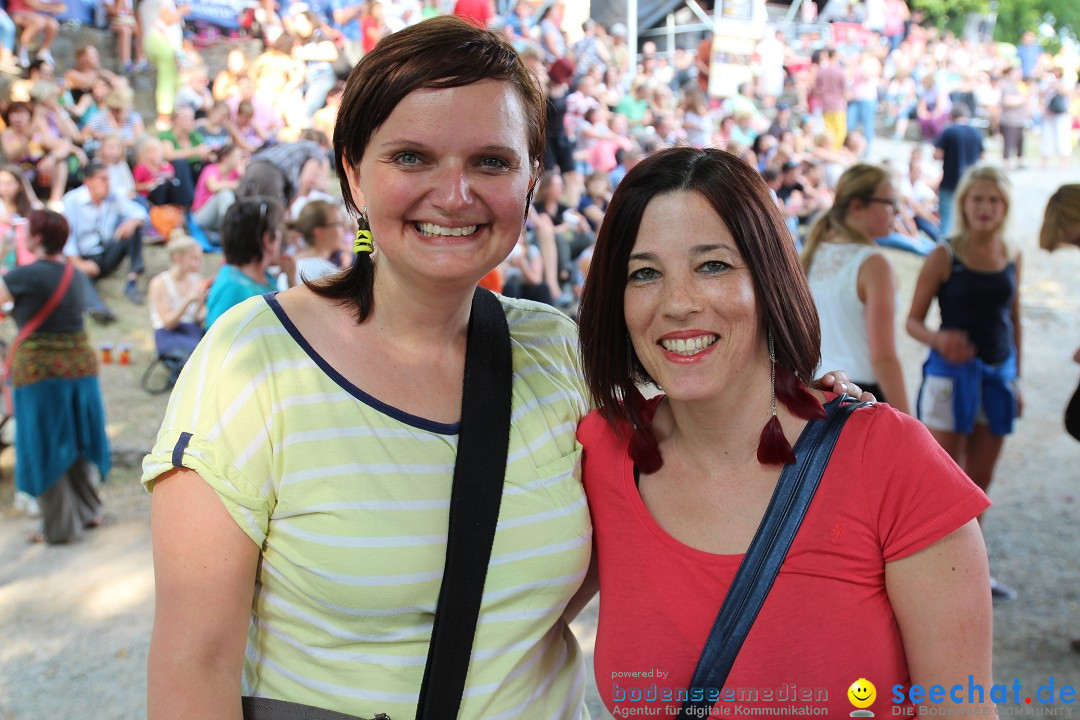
606	112
817	101
668	220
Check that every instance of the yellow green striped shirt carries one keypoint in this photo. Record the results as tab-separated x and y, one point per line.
348	499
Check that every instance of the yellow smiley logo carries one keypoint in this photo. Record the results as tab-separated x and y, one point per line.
862	693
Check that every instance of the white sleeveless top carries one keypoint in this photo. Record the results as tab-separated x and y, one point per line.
313	267
191	314
834	277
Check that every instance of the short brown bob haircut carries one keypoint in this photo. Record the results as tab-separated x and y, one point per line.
442	52
740	197
51	229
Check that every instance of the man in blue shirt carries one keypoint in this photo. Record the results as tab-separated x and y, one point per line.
105	229
959	146
1028	51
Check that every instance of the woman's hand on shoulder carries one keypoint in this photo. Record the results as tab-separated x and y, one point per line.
837	381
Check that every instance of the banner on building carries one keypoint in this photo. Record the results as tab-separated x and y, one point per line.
739	26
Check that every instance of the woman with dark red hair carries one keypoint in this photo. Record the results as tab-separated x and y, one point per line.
61	450
695	287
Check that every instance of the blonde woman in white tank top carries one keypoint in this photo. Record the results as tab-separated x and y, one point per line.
854	285
178	299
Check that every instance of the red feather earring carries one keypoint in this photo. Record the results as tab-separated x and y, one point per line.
773	447
644	450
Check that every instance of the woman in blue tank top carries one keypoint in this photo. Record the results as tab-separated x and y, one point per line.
970	393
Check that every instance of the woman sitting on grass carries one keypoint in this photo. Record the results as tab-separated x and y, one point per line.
178	299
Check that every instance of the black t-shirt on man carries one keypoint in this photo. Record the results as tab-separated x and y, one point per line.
962	147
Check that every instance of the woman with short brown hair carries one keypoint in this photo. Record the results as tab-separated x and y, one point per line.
313	505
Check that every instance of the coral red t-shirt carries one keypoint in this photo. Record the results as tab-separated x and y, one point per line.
889	491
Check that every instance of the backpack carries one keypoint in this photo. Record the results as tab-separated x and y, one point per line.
1057	105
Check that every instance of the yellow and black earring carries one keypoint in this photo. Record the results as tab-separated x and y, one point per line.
364	242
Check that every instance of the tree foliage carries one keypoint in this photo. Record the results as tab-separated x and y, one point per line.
1014	17
949	14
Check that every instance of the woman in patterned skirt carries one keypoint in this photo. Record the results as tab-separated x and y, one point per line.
61	449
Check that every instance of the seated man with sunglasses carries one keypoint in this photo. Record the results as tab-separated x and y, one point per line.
251	243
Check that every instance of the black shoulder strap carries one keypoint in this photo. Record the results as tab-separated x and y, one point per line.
474	506
757	572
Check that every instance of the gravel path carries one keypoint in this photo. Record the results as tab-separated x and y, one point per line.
75	621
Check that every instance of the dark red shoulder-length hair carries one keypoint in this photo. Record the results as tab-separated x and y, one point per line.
51	228
740	197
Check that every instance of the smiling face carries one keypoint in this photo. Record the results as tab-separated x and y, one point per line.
862	693
689	300
445	185
984	207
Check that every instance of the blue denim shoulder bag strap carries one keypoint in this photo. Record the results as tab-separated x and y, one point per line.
790	500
